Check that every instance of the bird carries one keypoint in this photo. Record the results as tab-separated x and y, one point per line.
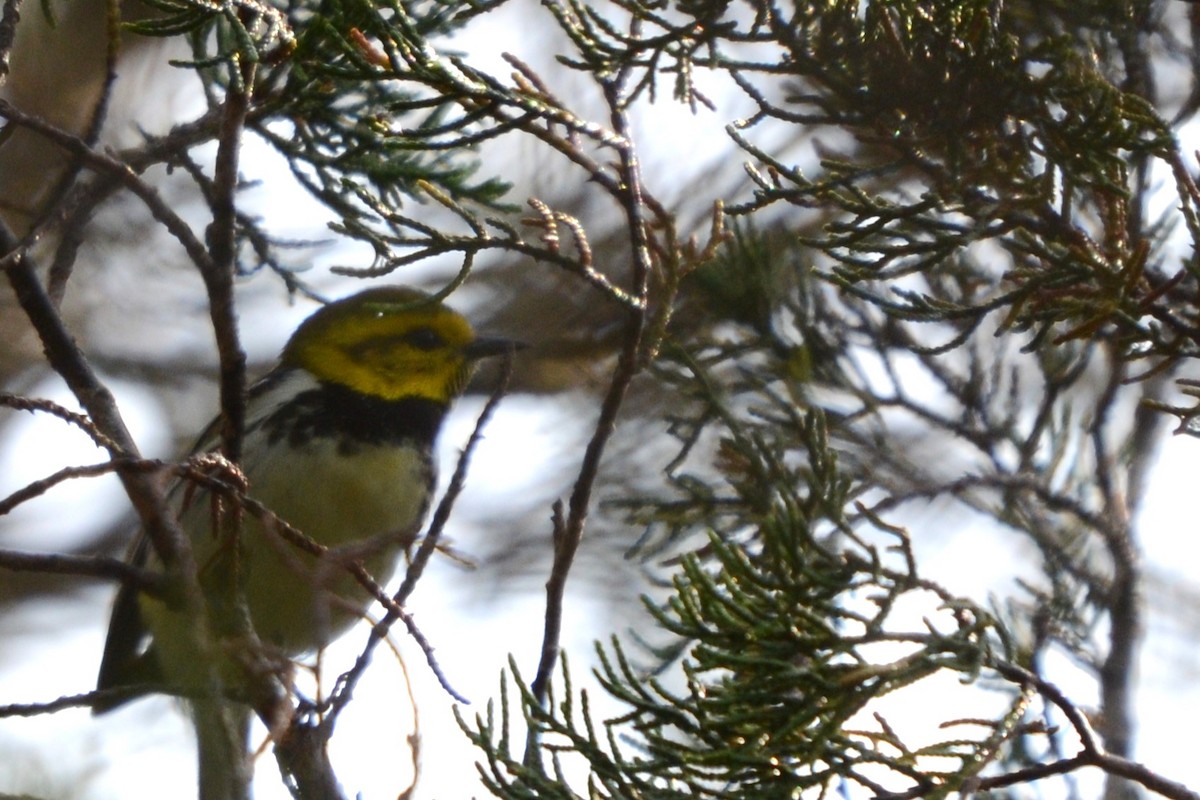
339	444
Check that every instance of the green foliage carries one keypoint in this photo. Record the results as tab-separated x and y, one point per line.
373	113
354	94
975	128
663	40
794	629
224	36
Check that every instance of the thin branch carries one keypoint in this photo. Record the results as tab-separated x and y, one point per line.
124	174
568	538
150	583
80	421
1023	677
1122	600
39	487
68	361
61	267
220	269
1091	753
86	700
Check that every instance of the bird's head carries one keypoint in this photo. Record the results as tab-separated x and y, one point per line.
390	342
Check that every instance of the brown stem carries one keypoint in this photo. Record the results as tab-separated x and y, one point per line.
219	271
569	535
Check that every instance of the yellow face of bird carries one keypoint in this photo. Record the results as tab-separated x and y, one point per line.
386	342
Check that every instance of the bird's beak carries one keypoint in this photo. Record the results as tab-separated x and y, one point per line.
485	346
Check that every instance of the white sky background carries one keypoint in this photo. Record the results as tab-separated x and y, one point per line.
141	751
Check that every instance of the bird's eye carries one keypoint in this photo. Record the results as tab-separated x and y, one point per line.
424	339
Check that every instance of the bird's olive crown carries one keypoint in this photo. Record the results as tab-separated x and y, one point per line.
387	342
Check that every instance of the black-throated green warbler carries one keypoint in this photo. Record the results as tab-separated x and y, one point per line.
338	443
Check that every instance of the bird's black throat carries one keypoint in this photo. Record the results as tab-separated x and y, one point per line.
353	419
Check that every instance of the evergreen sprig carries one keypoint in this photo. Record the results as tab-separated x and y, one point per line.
983	137
357	96
786	616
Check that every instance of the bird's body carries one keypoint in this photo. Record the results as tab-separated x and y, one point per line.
338	444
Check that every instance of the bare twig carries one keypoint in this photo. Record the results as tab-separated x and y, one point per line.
124	174
39	487
80	421
67	360
1122	600
150	583
85	700
1092	752
566	542
60	268
219	271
